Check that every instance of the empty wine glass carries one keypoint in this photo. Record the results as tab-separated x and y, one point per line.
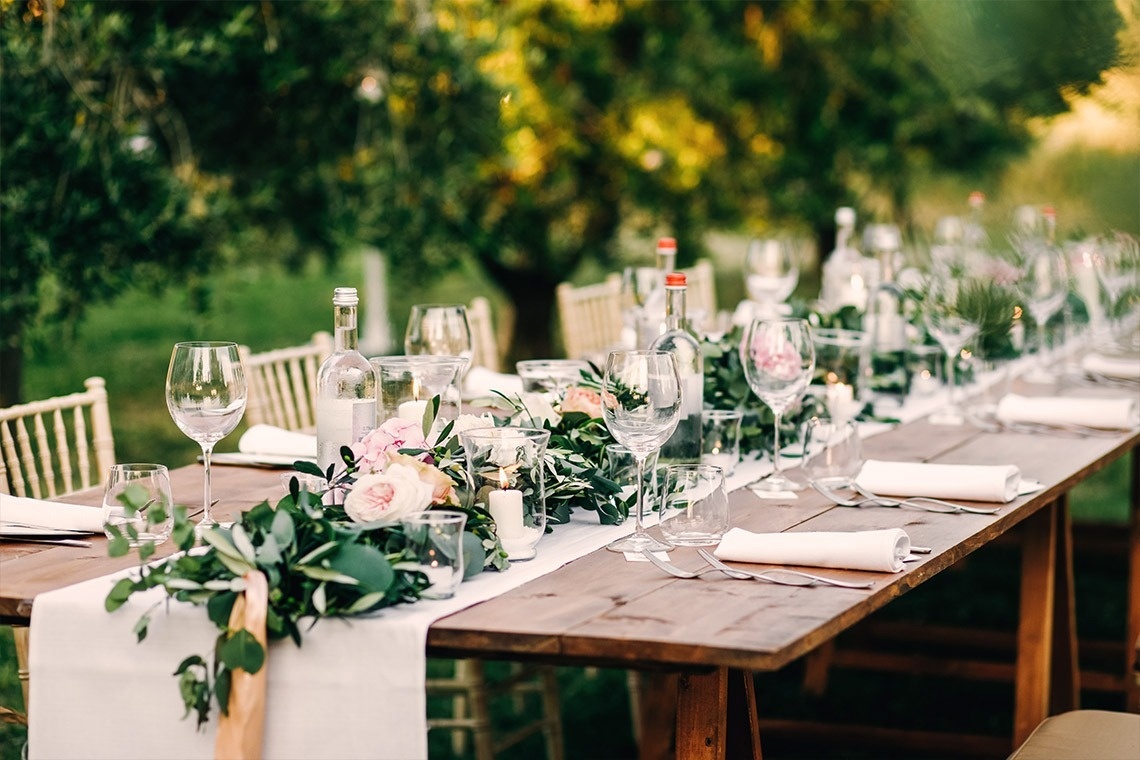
637	284
1044	286
942	312
641	404
770	275
206	395
1117	268
778	357
439	330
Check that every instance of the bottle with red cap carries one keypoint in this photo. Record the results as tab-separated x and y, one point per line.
652	321
684	446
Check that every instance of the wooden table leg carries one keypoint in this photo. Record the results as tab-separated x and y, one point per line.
702	715
743	740
1132	644
1035	622
654	711
1065	687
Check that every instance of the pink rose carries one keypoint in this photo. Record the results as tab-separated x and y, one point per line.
385	497
372	453
442	487
777	359
584	400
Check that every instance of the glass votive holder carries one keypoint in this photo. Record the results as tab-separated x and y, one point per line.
621	468
406	385
150	516
925	369
694	505
305	482
551	376
720	438
833	453
434	547
506	469
840	357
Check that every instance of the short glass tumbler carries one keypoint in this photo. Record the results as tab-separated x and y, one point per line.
506	467
694	505
435	548
720	438
833	454
147	487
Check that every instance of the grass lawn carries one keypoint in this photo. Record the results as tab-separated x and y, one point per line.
128	343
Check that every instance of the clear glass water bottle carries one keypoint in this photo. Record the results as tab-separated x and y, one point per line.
885	321
684	446
847	275
652	321
346	386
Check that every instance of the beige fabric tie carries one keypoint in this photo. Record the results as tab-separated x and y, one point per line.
241	734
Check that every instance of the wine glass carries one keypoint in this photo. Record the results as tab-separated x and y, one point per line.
206	395
778	357
637	284
770	275
641	404
945	321
1117	267
439	330
1044	286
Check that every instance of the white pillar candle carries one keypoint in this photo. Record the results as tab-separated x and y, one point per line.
412	411
506	508
840	400
439	578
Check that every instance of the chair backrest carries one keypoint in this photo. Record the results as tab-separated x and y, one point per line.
484	341
590	317
700	300
283	384
58	445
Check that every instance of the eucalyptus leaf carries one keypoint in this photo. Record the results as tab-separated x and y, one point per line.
119	594
325	574
242	651
473	555
308	468
365	564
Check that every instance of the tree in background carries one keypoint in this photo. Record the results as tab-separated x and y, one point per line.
523	136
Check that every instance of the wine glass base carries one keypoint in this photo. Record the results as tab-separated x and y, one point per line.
778	483
638	542
948	417
204	526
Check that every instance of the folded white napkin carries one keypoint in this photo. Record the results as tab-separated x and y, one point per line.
481	381
1126	367
1107	413
974	482
879	550
267	439
50	514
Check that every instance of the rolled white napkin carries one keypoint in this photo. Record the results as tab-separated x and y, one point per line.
974	482
1126	367
50	514
267	439
1106	413
882	551
481	381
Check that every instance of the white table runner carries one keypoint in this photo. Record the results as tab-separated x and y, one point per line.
355	689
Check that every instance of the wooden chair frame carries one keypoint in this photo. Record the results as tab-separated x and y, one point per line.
590	317
283	384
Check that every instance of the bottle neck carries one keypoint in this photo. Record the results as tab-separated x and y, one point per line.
344	324
674	308
666	259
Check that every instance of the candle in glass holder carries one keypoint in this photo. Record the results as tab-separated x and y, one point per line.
840	400
506	508
412	411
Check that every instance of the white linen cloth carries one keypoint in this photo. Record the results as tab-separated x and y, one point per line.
268	439
1106	413
481	382
98	694
50	514
1125	367
878	550
974	482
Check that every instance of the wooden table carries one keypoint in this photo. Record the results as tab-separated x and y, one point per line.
602	610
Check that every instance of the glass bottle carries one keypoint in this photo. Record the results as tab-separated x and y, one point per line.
847	275
652	321
346	386
684	446
885	321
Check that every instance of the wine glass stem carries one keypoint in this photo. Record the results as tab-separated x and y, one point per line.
951	361
1041	343
207	515
776	446
640	492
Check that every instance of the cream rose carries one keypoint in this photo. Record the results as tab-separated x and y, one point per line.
387	496
442	487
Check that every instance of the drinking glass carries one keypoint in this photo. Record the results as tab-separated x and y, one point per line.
206	395
550	376
1117	267
770	275
148	486
435	548
778	357
1044	286
637	283
694	505
833	454
440	330
946	322
641	404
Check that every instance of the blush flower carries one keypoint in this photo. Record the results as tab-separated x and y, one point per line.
584	400
442	487
777	359
374	450
385	497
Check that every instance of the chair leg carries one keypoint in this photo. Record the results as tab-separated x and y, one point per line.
480	712
552	710
20	633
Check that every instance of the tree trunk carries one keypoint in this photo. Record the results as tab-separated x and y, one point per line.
534	302
11	373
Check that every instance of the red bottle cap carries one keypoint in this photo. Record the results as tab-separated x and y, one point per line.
675	280
666	242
